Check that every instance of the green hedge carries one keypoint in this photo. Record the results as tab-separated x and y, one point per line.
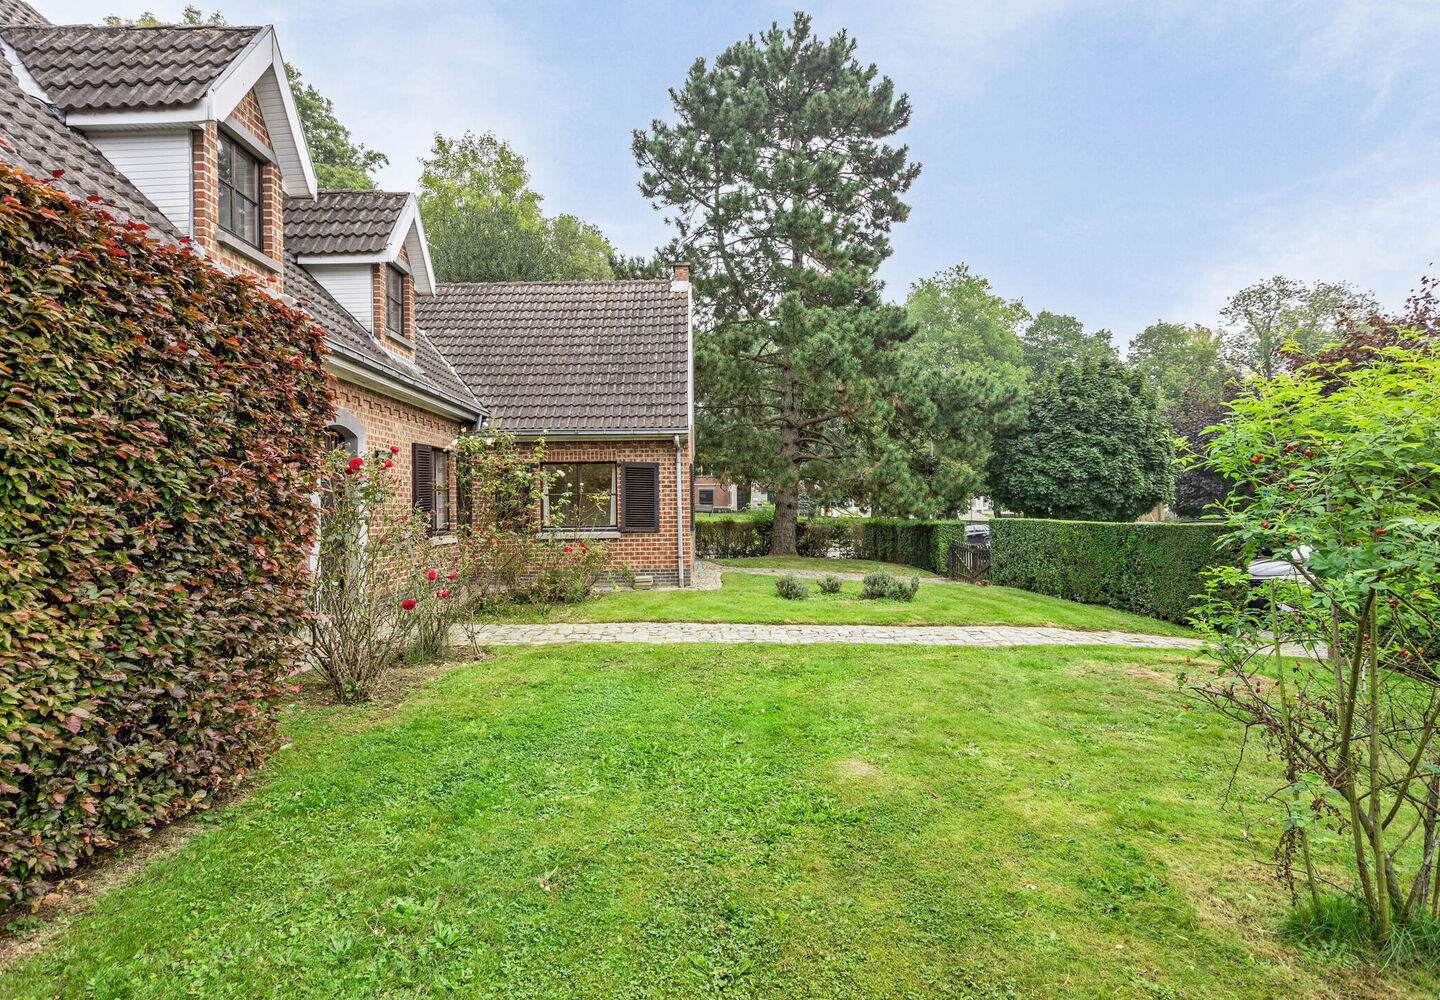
1150	569
161	439
921	544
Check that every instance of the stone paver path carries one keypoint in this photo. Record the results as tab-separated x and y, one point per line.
888	635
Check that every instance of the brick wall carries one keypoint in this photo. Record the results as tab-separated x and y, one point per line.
723	496
248	114
653	553
205	201
404	348
390	422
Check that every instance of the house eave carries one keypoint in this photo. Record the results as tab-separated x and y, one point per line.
358	370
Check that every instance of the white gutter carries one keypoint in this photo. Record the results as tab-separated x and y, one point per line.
679	517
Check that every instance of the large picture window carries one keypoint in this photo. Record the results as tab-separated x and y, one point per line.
579	494
395	302
239	192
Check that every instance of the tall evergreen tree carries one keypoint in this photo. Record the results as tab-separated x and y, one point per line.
783	191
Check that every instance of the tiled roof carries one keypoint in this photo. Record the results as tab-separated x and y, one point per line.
342	221
349	337
39	143
19	12
91	68
567	355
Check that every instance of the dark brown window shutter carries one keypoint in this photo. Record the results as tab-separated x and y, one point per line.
422	477
640	496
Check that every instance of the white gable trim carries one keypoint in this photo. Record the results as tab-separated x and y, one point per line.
409	232
258	66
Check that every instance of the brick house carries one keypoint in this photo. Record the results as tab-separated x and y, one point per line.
193	132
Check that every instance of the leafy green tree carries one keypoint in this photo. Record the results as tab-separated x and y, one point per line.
1173	356
1093	447
483	220
1052	339
963	324
1342	486
1263	317
782	188
339	161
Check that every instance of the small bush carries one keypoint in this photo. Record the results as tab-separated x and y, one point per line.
830	584
792	588
882	586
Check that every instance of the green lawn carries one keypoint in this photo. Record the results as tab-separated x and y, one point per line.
827	565
748	597
749	821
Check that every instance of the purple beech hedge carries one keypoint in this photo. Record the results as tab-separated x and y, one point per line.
160	437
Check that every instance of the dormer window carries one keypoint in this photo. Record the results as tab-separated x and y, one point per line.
239	192
395	302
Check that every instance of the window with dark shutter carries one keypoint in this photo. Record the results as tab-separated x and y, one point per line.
640	496
422	478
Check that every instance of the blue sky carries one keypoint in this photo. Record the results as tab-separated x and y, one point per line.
1120	160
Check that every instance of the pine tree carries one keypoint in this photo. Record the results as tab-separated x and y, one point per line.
781	186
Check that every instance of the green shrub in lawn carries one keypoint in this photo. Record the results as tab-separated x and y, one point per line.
882	586
792	588
830	584
1150	569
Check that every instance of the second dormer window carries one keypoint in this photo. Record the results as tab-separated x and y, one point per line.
239	192
395	302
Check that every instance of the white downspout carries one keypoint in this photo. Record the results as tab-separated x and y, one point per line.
679	518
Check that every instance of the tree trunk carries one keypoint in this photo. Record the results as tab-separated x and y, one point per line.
787	514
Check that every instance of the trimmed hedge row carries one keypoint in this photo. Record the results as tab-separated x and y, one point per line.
921	544
1150	569
161	438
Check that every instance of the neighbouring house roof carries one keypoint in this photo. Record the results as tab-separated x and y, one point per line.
568	356
84	67
342	222
19	12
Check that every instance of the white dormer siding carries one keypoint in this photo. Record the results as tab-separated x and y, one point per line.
156	162
352	286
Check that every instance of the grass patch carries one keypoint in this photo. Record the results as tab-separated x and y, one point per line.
756	821
752	598
828	565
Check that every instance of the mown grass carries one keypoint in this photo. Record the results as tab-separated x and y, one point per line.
749	821
826	565
748	597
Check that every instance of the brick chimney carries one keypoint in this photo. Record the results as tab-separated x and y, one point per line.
680	279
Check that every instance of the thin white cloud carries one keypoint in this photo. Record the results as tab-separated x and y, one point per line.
1375	223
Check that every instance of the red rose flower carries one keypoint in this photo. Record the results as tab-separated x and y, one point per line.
430	574
435	592
567	548
355	463
387	464
451	576
445	592
408	604
394	449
